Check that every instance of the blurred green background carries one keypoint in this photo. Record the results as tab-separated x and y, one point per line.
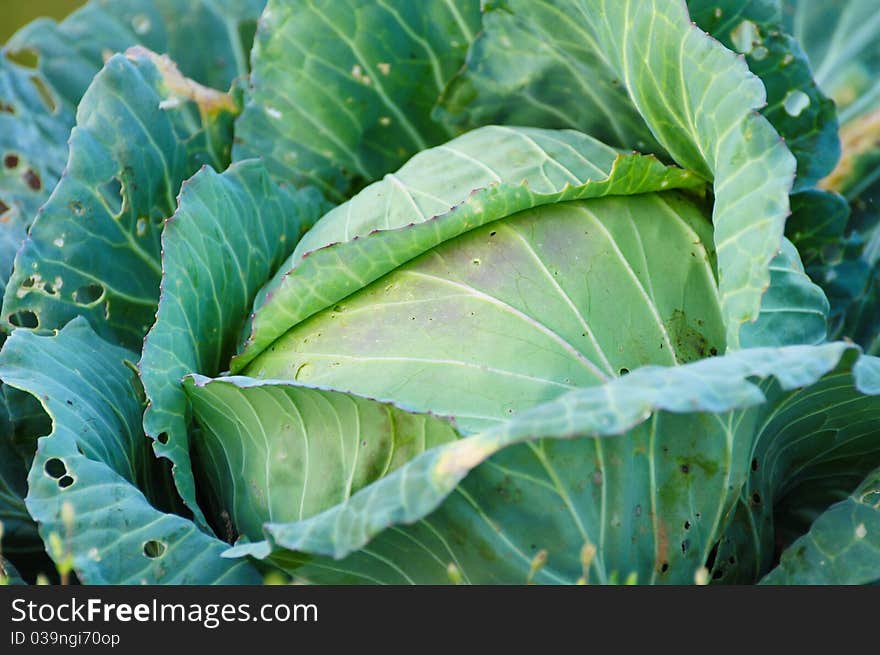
15	13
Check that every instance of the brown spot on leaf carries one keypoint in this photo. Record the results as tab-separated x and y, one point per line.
32	180
661	552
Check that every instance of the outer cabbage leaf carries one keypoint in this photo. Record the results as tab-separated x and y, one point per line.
842	43
209	39
534	64
94	249
812	445
314	449
837	257
22	422
342	90
46	67
9	575
93	483
22	548
794	311
228	235
32	158
841	546
525	497
796	106
18	529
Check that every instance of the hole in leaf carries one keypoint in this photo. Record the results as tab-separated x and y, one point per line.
754	464
32	180
77	207
88	294
154	548
112	193
24	319
162	438
796	102
10	160
45	94
756	498
623	371
745	36
687	525
3	207
713	555
65	482
141	24
664	567
55	468
26	57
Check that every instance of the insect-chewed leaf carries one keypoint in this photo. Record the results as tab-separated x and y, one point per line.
796	106
94	250
842	44
46	67
93	481
229	233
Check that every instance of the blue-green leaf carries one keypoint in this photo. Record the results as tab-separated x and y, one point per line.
841	547
796	106
142	129
342	90
46	67
653	500
93	486
680	82
841	41
228	235
794	310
